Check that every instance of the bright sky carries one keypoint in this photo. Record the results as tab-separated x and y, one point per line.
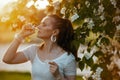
4	2
39	4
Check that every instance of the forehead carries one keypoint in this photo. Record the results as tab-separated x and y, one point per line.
47	19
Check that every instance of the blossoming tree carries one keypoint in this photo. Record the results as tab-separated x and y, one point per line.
97	30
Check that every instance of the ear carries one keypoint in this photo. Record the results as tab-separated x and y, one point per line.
56	32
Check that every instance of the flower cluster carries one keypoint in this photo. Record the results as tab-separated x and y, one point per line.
21	18
118	27
87	3
29	4
96	75
63	10
5	18
74	17
100	9
113	2
90	22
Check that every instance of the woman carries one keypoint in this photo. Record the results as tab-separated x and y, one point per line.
54	59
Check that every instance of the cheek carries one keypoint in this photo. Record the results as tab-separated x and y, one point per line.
45	33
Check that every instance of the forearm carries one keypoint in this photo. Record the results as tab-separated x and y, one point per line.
11	51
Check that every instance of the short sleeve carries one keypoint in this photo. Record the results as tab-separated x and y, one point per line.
70	68
29	52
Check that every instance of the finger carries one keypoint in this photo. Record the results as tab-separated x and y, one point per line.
28	26
52	63
53	66
52	69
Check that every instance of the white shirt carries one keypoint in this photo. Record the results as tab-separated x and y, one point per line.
40	69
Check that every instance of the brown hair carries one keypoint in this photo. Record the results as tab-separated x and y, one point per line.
66	34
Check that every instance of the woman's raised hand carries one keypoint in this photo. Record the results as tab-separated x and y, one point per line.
27	30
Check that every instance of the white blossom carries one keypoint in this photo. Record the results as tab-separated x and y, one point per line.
5	18
90	24
14	25
86	20
99	41
30	3
56	4
21	18
100	9
118	27
116	19
82	48
96	75
95	11
99	1
94	49
117	11
40	4
102	17
95	59
78	6
63	10
87	3
99	70
87	55
104	49
74	17
113	2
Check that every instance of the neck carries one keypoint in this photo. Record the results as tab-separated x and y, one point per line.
49	46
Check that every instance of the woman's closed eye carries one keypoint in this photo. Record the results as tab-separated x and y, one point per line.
42	24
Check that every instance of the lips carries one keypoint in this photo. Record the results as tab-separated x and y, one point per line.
39	31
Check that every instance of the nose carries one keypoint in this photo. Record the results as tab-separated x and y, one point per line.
39	26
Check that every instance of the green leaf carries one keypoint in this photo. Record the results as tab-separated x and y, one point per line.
81	65
98	53
94	67
89	62
89	49
105	40
78	59
82	40
76	43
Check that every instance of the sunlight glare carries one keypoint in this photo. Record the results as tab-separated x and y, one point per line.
4	2
29	4
41	4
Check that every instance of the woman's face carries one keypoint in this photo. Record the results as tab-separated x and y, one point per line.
45	29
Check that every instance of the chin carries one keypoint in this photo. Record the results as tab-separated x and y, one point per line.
39	36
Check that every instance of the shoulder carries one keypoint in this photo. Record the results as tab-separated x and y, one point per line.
69	58
30	46
70	65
